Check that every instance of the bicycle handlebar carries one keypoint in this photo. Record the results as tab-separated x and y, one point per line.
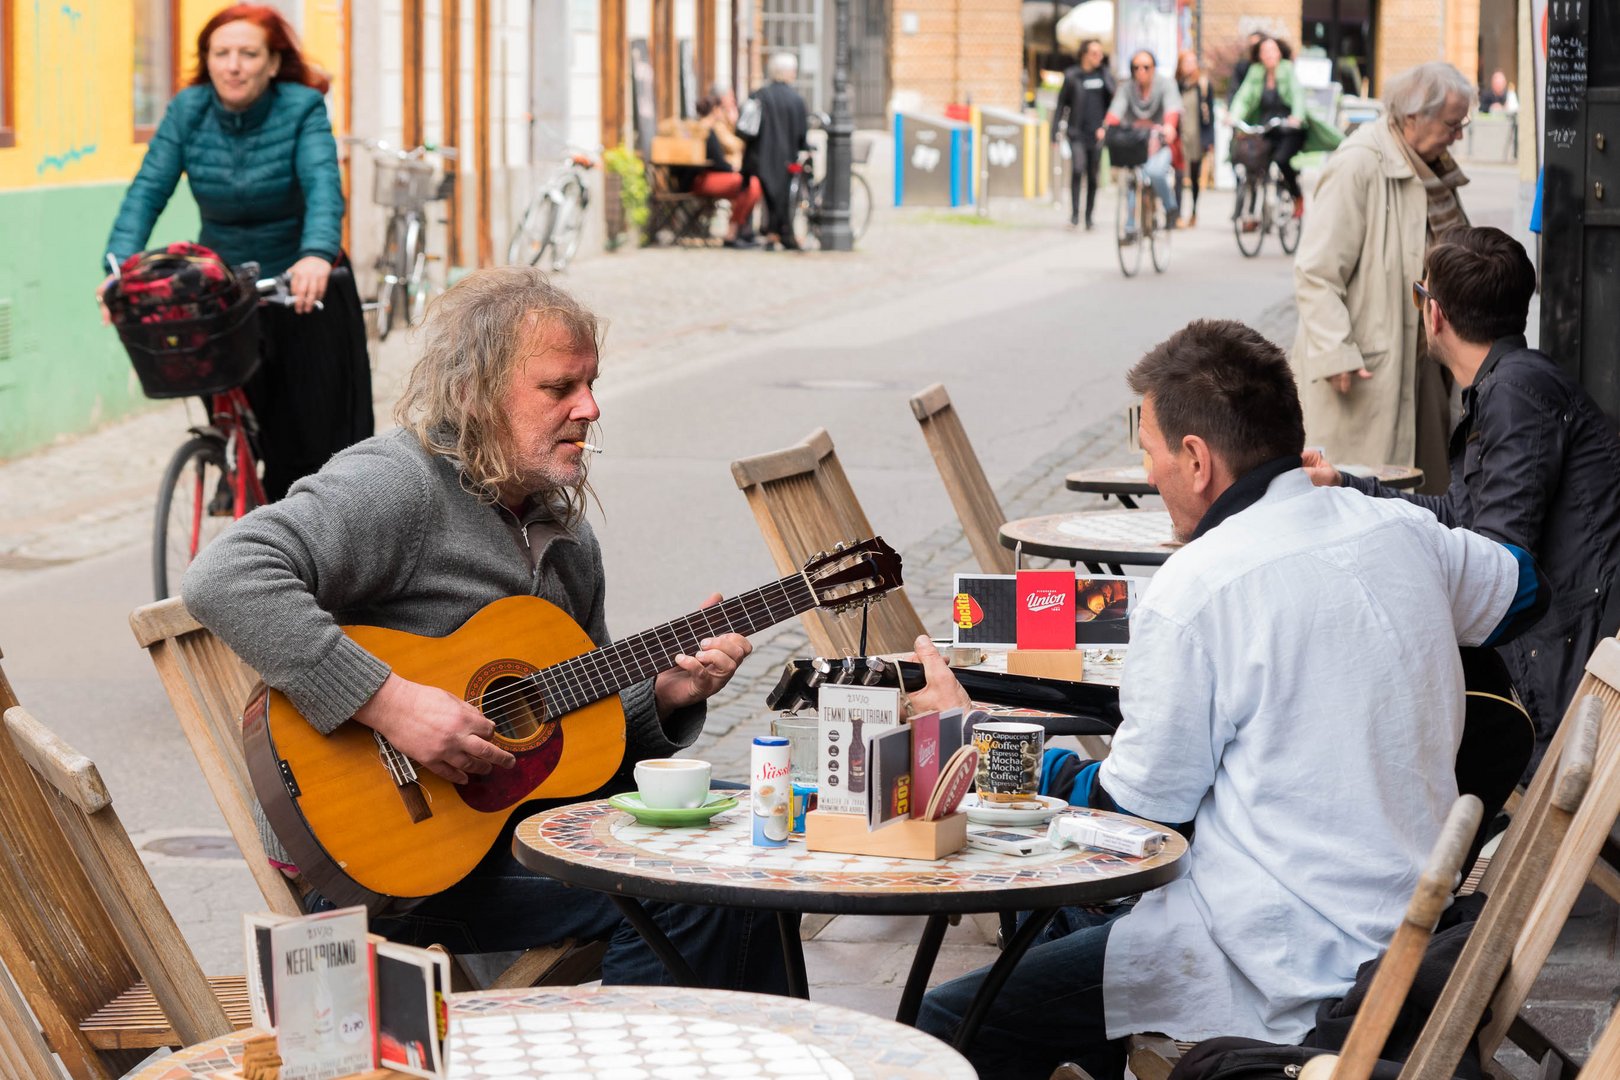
273	290
1260	129
381	147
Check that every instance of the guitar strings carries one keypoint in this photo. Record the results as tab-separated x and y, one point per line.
592	677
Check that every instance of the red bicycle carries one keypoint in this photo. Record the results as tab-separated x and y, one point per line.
214	477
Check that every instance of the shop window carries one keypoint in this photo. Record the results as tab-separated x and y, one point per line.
157	58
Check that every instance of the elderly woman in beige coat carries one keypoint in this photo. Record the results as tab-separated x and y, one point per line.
1370	395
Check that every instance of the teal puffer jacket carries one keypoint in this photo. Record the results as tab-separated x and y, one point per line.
266	180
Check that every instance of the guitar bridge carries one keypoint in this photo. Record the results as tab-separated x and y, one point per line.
403	771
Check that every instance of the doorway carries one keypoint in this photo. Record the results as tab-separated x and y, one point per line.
1343	30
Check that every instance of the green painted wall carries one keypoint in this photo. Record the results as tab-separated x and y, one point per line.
61	371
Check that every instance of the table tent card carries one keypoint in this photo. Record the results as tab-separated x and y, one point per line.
412	1017
889	795
1006	611
321	972
934	738
850	715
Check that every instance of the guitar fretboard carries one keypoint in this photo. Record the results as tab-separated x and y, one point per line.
574	684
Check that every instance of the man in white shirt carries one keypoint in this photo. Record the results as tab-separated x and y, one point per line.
1293	692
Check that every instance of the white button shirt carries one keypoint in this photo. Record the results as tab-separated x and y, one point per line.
1293	688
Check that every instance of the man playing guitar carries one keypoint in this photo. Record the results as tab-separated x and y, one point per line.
479	495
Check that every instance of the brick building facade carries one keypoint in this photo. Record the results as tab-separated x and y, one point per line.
945	51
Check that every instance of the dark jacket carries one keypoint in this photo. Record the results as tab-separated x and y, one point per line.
1535	463
1084	101
783	127
266	180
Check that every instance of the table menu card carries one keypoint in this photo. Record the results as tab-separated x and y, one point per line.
1043	609
850	715
321	971
890	796
1045	618
934	738
412	1016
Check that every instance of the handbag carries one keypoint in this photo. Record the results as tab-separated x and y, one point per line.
748	118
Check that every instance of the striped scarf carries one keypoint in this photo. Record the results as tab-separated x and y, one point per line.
1441	179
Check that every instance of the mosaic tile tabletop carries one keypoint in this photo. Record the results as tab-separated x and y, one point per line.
649	1033
595	845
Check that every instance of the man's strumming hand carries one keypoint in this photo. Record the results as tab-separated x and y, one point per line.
435	729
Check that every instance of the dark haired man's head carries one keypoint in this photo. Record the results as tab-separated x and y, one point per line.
1218	399
1482	281
1091	54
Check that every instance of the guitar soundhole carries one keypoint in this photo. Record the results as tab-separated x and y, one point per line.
516	707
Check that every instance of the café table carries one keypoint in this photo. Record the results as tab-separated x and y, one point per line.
1104	540
596	846
1127	483
578	1032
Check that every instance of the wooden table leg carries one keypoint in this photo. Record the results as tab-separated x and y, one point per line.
656	940
998	974
793	954
922	966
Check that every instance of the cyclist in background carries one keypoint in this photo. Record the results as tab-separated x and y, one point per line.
1149	100
1088	88
1270	91
252	136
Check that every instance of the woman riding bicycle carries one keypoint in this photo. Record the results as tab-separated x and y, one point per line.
252	136
1271	91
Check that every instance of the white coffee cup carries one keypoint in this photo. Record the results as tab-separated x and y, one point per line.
672	783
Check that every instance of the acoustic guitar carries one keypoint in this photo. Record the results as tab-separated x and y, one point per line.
365	826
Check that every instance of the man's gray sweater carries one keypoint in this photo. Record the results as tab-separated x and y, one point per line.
387	535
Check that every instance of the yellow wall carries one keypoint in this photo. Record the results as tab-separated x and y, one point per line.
74	79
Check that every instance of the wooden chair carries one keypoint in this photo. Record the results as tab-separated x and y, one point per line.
23	1053
804	504
1543	860
687	217
1605	1056
208	685
975	501
95	953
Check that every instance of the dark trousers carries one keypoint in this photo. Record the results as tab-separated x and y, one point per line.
1087	155
1050	1011
503	906
1285	143
1191	176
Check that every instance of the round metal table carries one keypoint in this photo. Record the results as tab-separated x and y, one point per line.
1104	540
577	1032
1127	483
594	845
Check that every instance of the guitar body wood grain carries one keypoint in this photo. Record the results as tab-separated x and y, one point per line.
348	802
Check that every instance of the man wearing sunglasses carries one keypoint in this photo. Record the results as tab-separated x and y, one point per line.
1533	461
1148	100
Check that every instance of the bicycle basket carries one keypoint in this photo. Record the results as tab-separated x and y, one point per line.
1251	153
208	354
1127	146
404	183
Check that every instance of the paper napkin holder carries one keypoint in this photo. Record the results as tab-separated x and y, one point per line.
908	838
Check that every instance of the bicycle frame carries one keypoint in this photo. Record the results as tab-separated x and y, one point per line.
233	420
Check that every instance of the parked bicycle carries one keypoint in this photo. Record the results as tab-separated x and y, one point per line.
1140	220
1263	203
555	218
807	192
213	478
404	182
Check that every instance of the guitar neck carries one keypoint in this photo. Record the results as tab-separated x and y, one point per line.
600	673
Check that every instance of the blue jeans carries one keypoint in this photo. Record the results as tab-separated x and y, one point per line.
1162	175
503	906
1050	1011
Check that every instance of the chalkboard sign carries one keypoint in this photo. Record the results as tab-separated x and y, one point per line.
1566	72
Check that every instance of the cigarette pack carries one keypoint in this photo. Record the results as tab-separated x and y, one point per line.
1078	828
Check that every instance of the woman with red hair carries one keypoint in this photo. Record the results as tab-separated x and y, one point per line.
252	137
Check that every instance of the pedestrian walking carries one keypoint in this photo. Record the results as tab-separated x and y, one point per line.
1197	127
252	137
1082	103
1384	197
775	125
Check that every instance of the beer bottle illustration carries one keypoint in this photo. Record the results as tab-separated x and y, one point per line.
857	753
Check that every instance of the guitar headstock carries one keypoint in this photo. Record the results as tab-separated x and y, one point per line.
852	574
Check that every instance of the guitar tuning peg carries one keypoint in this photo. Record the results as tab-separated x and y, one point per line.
840	546
821	555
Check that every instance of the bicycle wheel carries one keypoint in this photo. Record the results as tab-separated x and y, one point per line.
414	289
1159	237
806	223
570	224
1249	220
388	275
1126	235
533	233
860	205
1288	226
195	504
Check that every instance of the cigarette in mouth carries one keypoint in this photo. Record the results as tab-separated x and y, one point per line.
587	447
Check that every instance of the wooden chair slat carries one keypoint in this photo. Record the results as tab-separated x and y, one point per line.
977	507
23	1053
803	503
135	1020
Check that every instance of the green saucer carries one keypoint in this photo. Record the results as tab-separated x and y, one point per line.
630	802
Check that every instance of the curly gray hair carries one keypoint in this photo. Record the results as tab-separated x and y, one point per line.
1424	90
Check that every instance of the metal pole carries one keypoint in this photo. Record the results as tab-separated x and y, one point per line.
835	231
